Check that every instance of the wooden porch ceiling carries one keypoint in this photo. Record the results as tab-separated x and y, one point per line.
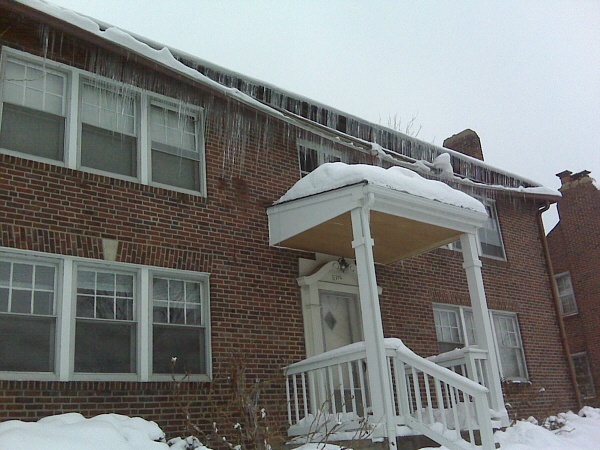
401	225
395	237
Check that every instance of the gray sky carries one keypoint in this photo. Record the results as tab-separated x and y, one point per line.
525	75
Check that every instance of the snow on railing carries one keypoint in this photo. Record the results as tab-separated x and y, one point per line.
328	394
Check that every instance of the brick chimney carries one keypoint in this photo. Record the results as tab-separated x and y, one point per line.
568	179
466	142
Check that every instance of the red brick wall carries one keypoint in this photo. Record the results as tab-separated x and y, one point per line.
519	284
575	247
255	301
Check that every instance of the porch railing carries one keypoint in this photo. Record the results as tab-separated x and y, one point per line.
466	361
329	394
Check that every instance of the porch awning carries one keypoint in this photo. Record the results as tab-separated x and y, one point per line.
403	223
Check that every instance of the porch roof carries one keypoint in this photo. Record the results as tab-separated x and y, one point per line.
403	221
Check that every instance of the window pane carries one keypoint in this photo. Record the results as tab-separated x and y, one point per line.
85	306
108	151
4	273
44	277
175	171
23	276
4	293
21	301
161	289
32	132
43	303
105	308
184	343
27	344
105	347
104	107
29	85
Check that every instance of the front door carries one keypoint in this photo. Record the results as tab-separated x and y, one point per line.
340	319
341	324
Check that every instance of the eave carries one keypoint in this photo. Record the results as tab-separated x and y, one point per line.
402	225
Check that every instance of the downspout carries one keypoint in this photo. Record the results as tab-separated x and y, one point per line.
557	307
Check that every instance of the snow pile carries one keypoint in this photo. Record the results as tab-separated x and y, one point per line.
331	176
72	431
579	432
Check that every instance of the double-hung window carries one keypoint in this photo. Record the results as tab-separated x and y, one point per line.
33	109
66	116
489	235
69	318
105	336
566	294
583	374
175	152
108	128
455	329
179	326
311	156
28	293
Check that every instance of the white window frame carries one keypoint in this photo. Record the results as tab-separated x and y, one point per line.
205	314
65	310
490	207
19	257
72	102
463	313
324	154
568	303
583	357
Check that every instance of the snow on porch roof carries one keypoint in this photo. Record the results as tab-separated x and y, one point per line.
409	214
331	176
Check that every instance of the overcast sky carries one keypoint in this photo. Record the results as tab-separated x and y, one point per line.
525	75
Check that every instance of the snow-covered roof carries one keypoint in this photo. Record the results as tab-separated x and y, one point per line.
395	147
335	175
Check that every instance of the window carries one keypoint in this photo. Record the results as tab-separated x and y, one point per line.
510	349
27	315
585	382
69	318
33	109
111	128
566	294
311	156
175	155
108	129
455	329
178	326
489	235
105	322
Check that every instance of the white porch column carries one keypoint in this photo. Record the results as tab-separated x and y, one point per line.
481	320
379	380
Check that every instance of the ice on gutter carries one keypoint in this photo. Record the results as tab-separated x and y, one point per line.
331	176
165	56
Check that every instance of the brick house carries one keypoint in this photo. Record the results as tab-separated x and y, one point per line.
574	247
138	223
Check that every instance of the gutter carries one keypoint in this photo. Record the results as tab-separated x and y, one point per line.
557	307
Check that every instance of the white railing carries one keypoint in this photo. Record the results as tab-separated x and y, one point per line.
329	394
467	361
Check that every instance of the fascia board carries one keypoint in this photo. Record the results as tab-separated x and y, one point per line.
426	210
289	219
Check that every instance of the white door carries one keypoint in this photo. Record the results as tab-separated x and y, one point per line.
340	319
341	323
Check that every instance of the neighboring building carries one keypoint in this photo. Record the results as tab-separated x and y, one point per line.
575	250
137	224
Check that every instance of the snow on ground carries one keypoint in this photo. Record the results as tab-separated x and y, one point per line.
116	432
